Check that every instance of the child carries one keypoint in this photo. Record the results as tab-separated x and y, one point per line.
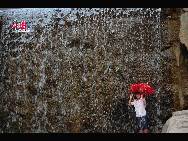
140	104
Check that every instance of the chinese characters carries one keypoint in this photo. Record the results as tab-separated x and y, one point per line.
19	27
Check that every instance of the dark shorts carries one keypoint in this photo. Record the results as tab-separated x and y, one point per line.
142	122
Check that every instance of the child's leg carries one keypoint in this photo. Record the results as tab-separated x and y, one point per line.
139	124
146	130
145	125
140	131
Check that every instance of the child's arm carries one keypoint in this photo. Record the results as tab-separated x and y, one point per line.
130	99
142	96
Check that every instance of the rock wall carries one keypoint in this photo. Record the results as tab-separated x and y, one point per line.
177	19
175	37
73	71
171	22
184	55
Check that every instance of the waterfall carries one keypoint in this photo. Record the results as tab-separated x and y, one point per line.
72	71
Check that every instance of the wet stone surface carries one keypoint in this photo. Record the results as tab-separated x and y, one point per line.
73	71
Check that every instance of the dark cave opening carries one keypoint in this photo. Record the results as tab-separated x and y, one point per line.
184	53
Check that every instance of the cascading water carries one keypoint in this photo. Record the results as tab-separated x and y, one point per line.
72	72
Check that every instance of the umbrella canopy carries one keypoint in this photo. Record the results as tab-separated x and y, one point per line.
144	88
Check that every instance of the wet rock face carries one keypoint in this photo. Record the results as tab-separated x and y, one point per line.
73	71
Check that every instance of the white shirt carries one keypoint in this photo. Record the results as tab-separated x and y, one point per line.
139	107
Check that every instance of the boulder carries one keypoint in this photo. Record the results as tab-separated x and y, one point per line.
178	123
185	9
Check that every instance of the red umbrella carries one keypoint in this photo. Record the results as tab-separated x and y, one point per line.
134	88
144	88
